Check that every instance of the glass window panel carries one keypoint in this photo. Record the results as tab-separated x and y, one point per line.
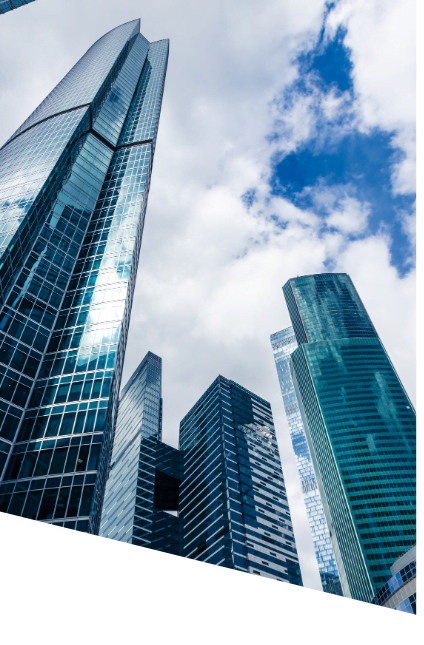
39	427
9	427
32	504
70	364
74	501
79	424
53	427
62	501
43	463
4	502
75	392
86	500
13	467
58	461
87	390
67	423
49	395
47	504
106	387
82	458
71	460
94	457
62	393
21	395
17	503
89	423
102	361
101	417
28	465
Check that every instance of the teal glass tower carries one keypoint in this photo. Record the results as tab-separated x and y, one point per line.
74	181
8	5
360	427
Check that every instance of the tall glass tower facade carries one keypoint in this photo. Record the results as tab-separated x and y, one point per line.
360	426
283	345
8	5
74	181
233	500
144	474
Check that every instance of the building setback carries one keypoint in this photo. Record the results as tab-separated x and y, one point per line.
74	181
360	427
283	345
144	474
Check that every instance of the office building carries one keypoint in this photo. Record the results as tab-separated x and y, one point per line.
233	501
400	591
74	181
360	428
220	498
144	475
283	345
8	5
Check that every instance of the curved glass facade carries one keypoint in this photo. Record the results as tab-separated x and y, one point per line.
326	306
400	591
72	204
283	345
360	426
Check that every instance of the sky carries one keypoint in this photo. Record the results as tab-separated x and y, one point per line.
286	146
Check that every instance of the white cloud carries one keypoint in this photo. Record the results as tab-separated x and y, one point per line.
351	216
381	37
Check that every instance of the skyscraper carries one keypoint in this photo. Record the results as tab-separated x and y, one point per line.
144	473
8	5
360	426
74	181
233	500
283	345
220	498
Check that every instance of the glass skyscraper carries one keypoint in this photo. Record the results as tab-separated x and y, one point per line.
74	181
144	474
233	498
8	5
220	498
283	345
360	427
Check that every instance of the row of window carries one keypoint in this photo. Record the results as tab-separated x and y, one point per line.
87	315
67	458
102	334
75	420
52	503
89	359
99	278
83	387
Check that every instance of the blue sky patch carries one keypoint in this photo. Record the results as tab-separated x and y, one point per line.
341	159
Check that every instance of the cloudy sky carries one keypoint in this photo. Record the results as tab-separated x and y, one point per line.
286	147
